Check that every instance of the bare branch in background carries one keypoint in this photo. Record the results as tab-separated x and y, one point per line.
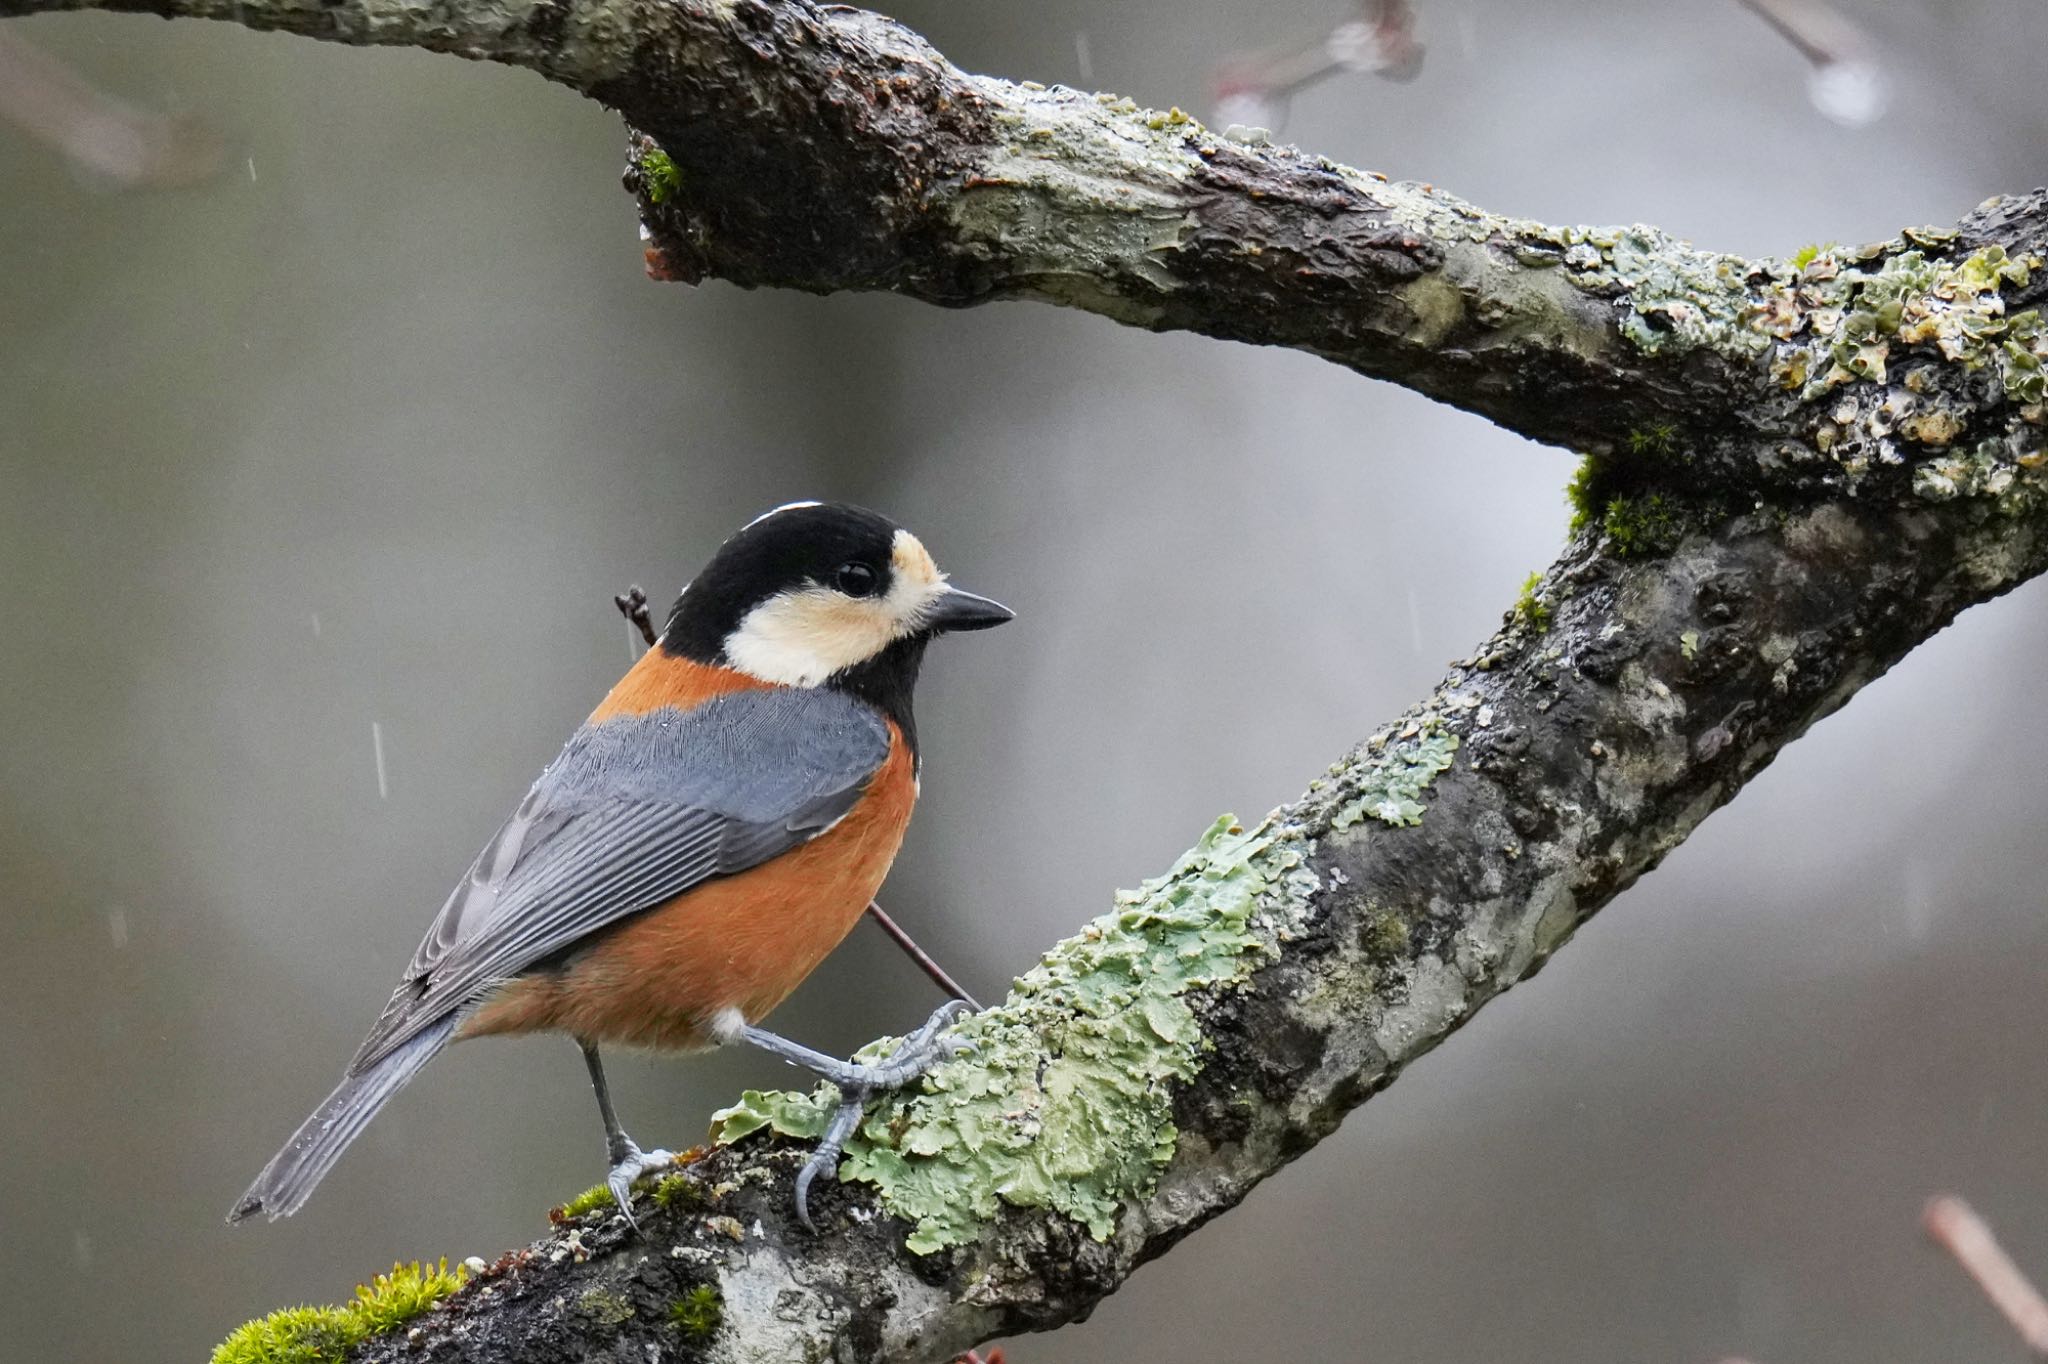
1254	89
1959	1230
132	147
1847	82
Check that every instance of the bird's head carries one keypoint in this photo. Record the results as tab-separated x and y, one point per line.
817	593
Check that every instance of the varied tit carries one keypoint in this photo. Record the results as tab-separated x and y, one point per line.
702	842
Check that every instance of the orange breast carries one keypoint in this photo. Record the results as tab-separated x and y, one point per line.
739	942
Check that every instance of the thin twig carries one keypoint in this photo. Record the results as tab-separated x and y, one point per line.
632	604
1958	1229
132	147
921	957
1848	82
1379	38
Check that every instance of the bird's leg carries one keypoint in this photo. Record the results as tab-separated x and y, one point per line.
858	1080
629	1162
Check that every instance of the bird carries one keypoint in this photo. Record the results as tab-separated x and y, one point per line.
700	844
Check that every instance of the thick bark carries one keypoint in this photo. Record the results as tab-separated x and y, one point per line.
1797	473
1586	751
831	148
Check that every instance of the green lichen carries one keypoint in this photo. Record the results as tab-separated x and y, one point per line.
784	1111
322	1335
1807	254
1919	340
1840	319
1640	526
1390	787
1990	468
697	1313
1531	611
658	174
1065	1101
1678	298
604	1306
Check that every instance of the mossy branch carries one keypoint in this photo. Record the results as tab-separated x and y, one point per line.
1220	1020
1797	471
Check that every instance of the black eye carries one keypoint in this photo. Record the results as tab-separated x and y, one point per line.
855	580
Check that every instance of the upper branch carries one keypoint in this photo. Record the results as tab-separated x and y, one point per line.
831	148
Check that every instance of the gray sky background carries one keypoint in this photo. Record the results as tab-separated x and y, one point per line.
368	430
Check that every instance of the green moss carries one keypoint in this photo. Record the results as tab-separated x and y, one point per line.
658	174
1065	1102
1582	493
296	1335
678	1191
1639	526
393	1299
1657	441
1530	610
697	1313
1390	788
1807	254
1386	937
590	1200
322	1335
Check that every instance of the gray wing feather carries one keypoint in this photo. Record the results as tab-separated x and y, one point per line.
635	811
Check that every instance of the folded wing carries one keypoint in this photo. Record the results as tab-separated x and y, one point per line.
635	811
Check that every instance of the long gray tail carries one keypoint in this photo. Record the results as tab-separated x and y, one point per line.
289	1179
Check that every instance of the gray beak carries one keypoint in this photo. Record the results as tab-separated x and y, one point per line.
958	610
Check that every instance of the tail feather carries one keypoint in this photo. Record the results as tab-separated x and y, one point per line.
289	1179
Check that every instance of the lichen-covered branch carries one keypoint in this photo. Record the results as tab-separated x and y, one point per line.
1797	471
1218	1022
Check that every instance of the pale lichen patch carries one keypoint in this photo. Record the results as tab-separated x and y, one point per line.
1065	1101
1388	786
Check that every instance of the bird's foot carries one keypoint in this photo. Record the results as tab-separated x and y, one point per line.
628	1165
858	1081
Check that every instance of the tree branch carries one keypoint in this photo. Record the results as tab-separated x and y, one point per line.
1801	470
827	149
1340	939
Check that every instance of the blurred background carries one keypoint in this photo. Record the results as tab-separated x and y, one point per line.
319	465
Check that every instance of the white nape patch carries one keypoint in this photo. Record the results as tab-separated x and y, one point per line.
801	637
726	1025
777	511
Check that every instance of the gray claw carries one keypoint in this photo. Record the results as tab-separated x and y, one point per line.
859	1081
825	1156
623	1175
